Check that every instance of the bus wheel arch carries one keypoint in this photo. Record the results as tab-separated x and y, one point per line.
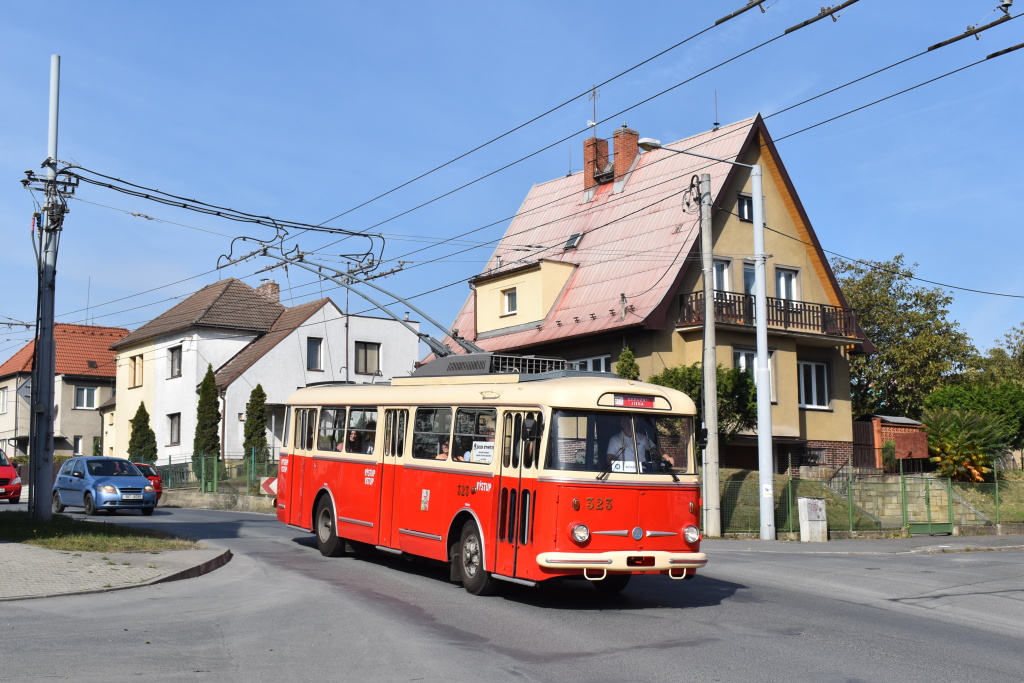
454	540
470	556
325	526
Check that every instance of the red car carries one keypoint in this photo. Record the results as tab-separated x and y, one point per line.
10	482
153	475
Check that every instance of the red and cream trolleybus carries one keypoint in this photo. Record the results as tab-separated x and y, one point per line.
510	468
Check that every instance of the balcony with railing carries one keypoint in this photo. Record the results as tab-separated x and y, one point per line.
783	314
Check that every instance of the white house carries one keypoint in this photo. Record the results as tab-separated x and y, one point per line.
248	338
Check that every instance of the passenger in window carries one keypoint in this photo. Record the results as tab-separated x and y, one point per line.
442	453
370	437
353	444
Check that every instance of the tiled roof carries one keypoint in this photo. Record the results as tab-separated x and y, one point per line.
288	322
82	351
635	243
228	304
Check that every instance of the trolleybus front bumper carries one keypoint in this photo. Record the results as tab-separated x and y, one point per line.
624	560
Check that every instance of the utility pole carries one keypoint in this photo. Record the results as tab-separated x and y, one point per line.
710	478
44	366
765	465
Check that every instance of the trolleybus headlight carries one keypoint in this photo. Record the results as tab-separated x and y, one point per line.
691	534
580	533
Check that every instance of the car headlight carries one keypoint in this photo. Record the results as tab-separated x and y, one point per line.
16	480
106	489
149	489
580	533
691	534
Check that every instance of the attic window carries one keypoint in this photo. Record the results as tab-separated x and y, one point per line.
573	241
92	364
745	207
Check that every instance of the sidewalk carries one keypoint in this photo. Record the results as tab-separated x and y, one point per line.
31	572
920	544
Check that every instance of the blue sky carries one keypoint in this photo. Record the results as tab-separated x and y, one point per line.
306	110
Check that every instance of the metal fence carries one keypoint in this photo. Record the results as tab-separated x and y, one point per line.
855	501
238	473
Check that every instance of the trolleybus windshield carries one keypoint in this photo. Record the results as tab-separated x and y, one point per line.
629	443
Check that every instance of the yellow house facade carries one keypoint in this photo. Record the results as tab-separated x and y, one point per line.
613	260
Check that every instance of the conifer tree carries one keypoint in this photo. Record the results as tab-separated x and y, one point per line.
256	427
627	368
207	439
142	443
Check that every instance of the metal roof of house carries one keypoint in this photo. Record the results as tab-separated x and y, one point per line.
81	350
634	246
227	304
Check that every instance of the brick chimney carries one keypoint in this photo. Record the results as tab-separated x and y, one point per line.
625	149
595	158
269	290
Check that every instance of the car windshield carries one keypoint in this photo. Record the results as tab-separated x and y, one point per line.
4	462
147	470
631	443
103	467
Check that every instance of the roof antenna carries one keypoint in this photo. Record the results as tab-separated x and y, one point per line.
715	124
594	94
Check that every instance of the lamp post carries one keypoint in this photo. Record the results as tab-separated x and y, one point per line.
766	487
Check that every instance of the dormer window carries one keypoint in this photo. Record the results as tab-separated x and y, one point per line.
508	298
573	241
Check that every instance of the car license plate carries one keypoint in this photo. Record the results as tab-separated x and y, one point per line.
131	496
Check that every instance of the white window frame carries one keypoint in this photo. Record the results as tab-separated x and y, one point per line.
745	360
509	301
745	207
314	353
720	275
88	401
76	445
362	364
604	363
809	375
784	276
135	367
174	362
174	429
3	400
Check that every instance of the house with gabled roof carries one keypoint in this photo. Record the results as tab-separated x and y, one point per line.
84	379
610	258
248	337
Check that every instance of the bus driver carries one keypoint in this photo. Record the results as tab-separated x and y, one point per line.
622	446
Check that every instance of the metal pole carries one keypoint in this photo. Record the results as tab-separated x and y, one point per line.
712	486
765	468
41	453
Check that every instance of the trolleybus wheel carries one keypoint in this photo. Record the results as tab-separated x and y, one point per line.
326	535
612	583
471	562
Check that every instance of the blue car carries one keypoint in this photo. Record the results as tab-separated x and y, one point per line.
109	484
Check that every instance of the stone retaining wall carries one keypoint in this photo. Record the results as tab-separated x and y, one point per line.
191	498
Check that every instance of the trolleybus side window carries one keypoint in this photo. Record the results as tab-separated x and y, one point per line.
432	433
474	435
362	430
332	429
305	426
394	431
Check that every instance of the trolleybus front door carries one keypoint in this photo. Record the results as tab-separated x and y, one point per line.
396	424
516	491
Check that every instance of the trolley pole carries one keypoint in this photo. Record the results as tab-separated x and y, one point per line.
41	437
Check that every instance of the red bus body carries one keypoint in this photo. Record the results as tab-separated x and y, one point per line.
535	471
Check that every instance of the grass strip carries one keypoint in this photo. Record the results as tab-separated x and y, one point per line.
64	533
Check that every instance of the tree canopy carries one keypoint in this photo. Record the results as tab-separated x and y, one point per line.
737	396
1005	400
142	442
918	348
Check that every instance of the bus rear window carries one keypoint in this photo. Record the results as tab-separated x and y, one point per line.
629	443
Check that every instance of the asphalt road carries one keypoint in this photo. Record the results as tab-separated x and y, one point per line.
776	612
